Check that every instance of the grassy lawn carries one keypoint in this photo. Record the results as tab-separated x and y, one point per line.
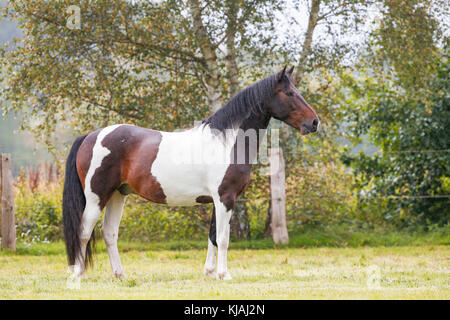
174	271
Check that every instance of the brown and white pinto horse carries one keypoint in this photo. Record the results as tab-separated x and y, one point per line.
103	167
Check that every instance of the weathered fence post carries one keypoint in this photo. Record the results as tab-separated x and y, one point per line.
7	203
278	196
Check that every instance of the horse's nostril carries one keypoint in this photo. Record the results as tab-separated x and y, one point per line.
315	122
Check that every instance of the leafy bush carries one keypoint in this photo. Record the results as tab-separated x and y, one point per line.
39	213
410	127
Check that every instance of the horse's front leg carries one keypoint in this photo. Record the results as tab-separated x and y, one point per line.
210	263
223	216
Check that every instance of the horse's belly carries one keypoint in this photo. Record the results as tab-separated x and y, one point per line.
181	186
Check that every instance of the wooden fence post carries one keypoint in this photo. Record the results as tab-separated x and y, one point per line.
278	196
7	203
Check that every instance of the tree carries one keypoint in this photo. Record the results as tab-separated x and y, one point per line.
400	103
160	65
164	64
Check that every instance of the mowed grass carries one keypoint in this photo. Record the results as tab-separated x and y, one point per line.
152	271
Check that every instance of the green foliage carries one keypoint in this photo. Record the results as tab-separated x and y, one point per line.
407	39
99	74
38	214
411	129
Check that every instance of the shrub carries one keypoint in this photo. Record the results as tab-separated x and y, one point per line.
38	213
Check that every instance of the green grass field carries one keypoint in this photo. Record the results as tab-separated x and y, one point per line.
299	271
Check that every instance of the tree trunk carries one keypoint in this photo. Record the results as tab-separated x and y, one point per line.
278	197
306	47
277	185
268	227
208	50
230	58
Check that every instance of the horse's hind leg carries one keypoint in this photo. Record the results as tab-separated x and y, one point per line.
110	230
91	214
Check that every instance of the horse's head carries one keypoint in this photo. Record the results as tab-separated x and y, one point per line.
289	106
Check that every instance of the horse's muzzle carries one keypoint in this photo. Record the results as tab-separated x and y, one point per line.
309	128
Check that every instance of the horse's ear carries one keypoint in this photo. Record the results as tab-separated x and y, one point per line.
282	74
289	72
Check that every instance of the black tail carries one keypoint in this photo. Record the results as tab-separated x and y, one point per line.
74	203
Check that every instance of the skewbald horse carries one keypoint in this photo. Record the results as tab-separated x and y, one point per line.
104	166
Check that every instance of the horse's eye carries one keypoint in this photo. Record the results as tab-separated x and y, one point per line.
289	94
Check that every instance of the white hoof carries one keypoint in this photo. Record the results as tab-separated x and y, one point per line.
78	271
73	282
210	273
119	275
223	276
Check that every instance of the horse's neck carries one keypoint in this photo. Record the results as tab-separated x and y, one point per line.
258	122
247	139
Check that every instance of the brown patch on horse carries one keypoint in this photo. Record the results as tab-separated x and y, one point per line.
143	146
235	181
204	199
106	178
132	152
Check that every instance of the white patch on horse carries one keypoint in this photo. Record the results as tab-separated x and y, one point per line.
99	152
192	163
223	217
110	230
210	263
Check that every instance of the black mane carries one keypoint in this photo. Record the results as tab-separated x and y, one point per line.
249	102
